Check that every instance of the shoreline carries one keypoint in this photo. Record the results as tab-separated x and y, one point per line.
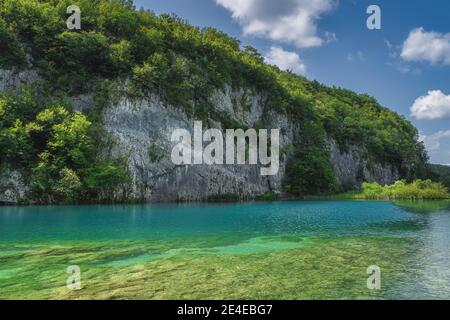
293	199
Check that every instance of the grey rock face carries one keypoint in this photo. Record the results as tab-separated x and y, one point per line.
352	168
13	79
138	127
12	187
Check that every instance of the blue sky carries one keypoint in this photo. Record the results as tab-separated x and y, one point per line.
405	64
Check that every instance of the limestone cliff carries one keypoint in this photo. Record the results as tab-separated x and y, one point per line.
141	130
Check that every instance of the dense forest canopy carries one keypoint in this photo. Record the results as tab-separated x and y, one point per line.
183	64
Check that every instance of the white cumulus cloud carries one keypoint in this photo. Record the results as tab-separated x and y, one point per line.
435	105
421	45
289	21
433	141
285	60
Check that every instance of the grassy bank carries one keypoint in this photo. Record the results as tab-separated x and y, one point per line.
400	190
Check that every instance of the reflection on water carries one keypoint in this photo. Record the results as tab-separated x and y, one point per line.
424	206
430	270
329	243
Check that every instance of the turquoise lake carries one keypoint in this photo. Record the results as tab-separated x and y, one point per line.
279	250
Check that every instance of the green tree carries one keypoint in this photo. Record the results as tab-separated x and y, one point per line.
68	187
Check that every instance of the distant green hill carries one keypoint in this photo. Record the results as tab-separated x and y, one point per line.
440	173
165	55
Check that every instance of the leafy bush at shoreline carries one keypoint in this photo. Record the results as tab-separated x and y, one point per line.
417	190
55	150
183	65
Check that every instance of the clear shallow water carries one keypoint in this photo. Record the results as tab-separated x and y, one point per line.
255	250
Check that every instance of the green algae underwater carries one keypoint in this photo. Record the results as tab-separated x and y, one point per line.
278	250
